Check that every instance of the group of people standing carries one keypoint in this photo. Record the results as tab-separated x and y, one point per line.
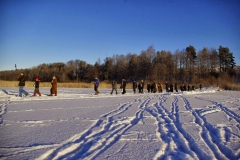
152	87
123	85
21	84
183	87
155	87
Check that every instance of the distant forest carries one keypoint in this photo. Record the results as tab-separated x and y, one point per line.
182	66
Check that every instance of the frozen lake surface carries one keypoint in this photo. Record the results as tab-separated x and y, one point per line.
79	125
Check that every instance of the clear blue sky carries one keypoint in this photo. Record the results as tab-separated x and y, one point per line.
33	32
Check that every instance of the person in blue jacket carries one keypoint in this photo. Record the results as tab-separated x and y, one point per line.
96	84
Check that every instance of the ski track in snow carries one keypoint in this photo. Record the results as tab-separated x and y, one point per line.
166	109
209	134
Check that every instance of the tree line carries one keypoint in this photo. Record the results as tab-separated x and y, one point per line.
182	66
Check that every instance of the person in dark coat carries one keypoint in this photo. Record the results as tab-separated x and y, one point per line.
171	87
53	90
153	87
21	85
142	86
96	84
176	87
200	86
149	87
167	86
193	87
123	86
139	87
188	87
36	85
134	86
114	86
181	87
184	87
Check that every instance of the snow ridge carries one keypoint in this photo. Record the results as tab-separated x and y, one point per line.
3	106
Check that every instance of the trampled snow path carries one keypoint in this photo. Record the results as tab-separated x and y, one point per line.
79	125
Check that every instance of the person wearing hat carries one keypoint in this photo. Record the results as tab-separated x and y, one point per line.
21	85
36	85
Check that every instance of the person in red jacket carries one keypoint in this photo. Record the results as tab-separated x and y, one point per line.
36	85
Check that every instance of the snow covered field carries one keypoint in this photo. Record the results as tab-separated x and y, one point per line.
78	125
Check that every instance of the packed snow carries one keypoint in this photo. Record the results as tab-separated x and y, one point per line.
77	124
